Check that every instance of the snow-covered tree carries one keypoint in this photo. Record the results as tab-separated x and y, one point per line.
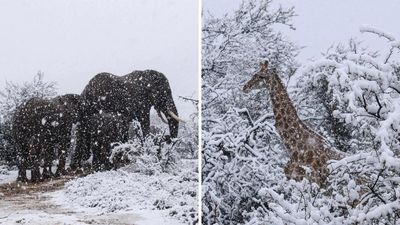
11	97
15	94
237	151
363	88
232	46
354	94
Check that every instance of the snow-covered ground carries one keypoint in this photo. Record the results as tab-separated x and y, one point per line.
7	176
38	209
112	197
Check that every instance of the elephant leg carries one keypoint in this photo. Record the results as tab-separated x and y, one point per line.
96	160
61	160
22	175
35	172
144	121
36	159
99	158
48	163
82	149
50	170
173	125
108	165
22	171
46	174
61	166
105	157
77	154
22	161
47	156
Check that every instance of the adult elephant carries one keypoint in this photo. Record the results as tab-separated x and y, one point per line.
131	95
41	125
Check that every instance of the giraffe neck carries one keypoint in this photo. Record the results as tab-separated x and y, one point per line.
287	121
281	103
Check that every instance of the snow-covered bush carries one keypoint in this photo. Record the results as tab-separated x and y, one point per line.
173	195
4	170
188	145
150	155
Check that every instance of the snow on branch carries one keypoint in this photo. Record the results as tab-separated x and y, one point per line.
377	31
394	44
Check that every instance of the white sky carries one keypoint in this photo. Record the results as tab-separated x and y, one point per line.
71	41
321	23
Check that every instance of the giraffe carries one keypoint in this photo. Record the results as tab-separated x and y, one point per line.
305	147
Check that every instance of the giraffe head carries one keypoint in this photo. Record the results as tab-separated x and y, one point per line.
259	80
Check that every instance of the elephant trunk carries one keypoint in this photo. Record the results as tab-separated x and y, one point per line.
161	117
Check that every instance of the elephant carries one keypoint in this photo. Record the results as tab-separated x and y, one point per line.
131	95
40	125
105	129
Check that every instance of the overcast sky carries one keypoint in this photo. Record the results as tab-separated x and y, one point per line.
321	23
71	41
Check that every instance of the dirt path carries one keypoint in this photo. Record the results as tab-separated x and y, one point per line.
30	204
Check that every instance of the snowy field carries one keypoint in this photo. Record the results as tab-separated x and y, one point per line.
112	197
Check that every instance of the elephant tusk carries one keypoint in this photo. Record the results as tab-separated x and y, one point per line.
176	117
162	118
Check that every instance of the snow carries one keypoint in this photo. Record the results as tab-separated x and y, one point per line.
370	29
385	209
349	94
170	195
124	196
37	217
59	214
111	197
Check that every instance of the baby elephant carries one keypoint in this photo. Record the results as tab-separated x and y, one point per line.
105	129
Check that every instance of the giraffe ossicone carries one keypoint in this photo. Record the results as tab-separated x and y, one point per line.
308	151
